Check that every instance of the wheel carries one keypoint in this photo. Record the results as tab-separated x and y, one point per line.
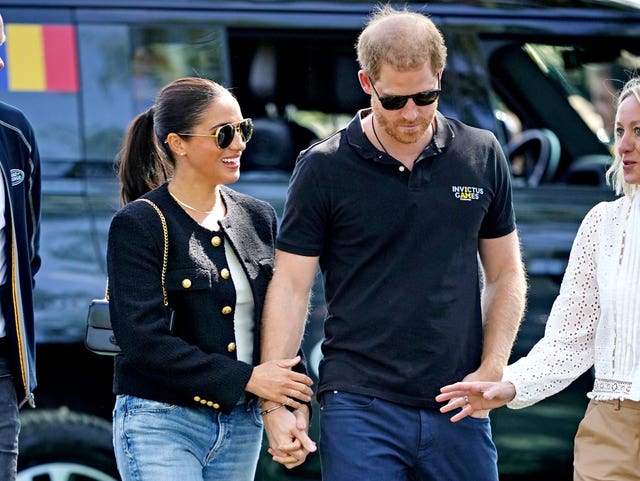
61	445
540	152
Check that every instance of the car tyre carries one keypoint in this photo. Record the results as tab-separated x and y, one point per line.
63	445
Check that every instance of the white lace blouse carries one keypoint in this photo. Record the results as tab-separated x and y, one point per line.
595	320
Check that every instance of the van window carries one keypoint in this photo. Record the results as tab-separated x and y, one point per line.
591	80
119	90
119	68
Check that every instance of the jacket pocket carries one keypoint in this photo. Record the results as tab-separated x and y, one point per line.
184	280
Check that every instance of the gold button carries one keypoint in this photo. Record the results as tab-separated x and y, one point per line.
231	346
210	403
224	273
216	406
196	399
186	283
216	241
203	401
227	310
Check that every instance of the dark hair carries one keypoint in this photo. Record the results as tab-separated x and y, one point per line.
145	160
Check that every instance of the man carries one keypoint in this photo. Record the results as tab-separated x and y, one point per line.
19	262
396	209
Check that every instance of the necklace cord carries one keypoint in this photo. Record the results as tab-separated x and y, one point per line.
373	127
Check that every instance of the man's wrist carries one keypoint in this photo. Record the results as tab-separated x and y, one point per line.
267	404
490	370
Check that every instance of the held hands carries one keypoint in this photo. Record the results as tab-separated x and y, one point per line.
473	397
274	380
289	443
278	386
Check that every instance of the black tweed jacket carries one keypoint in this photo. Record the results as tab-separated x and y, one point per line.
194	363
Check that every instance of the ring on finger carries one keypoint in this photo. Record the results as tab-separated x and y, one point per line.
466	399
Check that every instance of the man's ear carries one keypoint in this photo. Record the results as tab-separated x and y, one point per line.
365	82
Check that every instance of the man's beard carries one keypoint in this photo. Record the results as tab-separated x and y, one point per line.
399	135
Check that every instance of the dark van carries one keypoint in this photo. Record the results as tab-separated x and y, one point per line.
540	74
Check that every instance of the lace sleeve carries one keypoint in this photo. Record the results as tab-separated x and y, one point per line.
567	348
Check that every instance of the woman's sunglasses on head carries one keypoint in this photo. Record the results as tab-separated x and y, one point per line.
396	102
225	134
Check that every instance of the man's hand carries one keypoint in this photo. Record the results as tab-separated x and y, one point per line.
289	443
475	397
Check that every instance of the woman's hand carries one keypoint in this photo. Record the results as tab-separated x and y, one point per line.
475	396
275	381
287	432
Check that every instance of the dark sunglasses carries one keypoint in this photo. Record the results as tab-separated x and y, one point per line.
396	102
225	133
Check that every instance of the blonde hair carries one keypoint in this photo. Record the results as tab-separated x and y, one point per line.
403	39
615	173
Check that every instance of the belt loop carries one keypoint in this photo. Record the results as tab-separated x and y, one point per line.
618	405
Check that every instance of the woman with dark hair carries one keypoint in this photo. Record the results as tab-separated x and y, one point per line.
188	379
595	321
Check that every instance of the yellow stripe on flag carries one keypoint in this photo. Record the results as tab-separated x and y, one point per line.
25	56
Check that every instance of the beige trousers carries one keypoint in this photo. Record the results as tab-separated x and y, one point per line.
607	444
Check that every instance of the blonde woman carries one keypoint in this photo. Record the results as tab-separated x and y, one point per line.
595	321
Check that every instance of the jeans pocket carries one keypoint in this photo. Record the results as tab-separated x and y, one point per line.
136	405
340	400
254	408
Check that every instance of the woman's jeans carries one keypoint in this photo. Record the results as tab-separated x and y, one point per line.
157	441
9	424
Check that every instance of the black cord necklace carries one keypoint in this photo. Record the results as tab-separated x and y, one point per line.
373	127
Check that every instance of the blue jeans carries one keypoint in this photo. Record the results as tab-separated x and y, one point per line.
364	438
9	425
157	441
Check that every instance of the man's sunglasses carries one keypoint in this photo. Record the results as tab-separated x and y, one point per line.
396	102
225	133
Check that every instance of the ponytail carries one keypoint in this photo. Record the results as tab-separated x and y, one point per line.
143	162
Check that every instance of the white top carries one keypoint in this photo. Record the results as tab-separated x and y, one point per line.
595	320
243	317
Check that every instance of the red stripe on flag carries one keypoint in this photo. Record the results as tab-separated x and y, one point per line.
60	58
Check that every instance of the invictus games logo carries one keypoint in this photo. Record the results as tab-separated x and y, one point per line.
465	192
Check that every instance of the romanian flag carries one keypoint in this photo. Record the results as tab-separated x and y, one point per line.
39	58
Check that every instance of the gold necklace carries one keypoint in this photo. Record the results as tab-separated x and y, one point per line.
184	204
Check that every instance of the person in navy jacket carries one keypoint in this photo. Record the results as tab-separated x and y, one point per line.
19	262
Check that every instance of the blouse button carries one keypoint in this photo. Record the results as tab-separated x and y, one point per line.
401	168
224	273
186	283
227	310
216	241
231	346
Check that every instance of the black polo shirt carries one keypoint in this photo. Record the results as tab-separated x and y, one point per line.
398	252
